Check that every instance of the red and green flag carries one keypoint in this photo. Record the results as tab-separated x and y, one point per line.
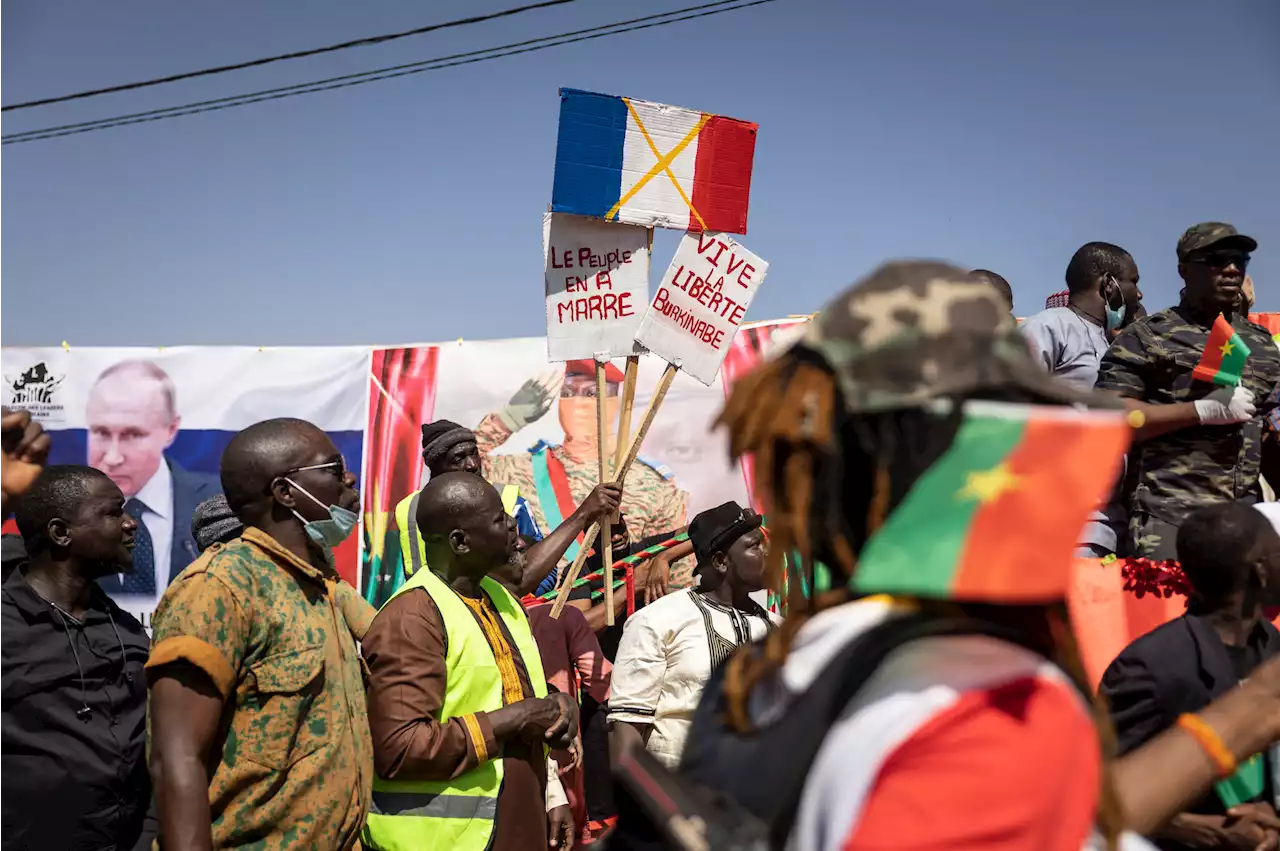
997	517
1224	355
1247	784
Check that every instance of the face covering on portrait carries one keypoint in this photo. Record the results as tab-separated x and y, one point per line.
332	531
578	418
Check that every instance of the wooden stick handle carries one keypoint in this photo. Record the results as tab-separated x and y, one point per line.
628	405
659	392
664	384
602	455
572	576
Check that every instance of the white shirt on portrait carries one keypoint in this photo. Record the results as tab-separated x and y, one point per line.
664	659
157	496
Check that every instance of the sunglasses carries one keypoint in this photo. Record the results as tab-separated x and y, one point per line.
1222	259
585	391
338	468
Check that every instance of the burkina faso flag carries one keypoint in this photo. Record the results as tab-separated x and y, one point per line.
997	517
1224	355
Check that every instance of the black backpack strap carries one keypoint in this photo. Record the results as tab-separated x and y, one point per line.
730	763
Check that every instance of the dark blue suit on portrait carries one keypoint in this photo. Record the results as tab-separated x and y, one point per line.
189	490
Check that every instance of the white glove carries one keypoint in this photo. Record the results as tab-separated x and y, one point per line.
1226	405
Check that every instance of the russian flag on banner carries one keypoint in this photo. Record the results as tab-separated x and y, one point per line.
650	164
157	421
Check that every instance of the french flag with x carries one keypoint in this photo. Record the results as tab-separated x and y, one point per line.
649	164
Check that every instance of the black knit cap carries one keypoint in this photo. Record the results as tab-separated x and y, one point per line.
441	436
437	429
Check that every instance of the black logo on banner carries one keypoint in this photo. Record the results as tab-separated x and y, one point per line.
36	391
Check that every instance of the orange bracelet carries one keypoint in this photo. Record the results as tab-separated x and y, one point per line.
1209	740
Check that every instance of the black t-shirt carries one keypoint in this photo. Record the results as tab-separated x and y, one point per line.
1245	659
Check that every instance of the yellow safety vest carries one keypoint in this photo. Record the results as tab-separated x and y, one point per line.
412	548
458	814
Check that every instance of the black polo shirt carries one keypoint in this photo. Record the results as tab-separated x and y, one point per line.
72	780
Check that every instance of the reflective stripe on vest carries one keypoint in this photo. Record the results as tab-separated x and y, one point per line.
456	814
413	548
430	805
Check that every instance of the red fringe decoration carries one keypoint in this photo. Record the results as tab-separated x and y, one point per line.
1161	578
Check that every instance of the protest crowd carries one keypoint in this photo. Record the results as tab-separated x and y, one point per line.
928	693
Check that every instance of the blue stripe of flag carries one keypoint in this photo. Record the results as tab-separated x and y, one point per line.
588	176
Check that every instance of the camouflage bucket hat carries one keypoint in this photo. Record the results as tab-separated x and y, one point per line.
915	331
1206	234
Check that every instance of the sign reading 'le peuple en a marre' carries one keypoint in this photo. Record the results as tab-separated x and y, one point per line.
597	284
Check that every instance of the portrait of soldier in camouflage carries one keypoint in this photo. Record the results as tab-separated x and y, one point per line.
555	478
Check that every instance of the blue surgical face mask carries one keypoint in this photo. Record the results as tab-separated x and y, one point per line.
329	533
1114	316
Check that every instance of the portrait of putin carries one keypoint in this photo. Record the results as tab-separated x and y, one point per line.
132	419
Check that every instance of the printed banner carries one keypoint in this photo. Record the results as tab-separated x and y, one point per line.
157	420
597	282
649	164
702	300
684	465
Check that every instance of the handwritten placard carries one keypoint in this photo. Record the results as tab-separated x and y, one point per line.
597	284
702	300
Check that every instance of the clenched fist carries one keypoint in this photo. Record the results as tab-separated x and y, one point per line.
26	448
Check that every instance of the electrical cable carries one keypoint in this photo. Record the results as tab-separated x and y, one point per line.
253	63
392	72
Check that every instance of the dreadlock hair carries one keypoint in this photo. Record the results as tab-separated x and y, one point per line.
828	482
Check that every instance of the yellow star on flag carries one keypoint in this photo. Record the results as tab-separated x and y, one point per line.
989	485
1226	348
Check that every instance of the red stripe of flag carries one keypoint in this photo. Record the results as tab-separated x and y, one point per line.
1211	358
1054	456
722	174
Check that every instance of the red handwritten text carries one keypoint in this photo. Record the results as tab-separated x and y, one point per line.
709	294
708	244
595	306
705	331
584	258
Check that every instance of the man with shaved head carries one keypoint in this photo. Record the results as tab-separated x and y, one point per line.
458	700
259	733
132	419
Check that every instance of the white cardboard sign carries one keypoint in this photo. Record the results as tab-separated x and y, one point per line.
700	303
597	282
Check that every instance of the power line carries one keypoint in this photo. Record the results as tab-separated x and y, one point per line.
515	48
371	76
378	72
222	69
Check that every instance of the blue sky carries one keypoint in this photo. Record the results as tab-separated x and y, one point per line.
986	132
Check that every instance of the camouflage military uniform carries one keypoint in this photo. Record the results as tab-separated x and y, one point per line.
295	763
1152	361
651	501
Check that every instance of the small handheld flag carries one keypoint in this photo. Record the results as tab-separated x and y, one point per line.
1224	355
1246	785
